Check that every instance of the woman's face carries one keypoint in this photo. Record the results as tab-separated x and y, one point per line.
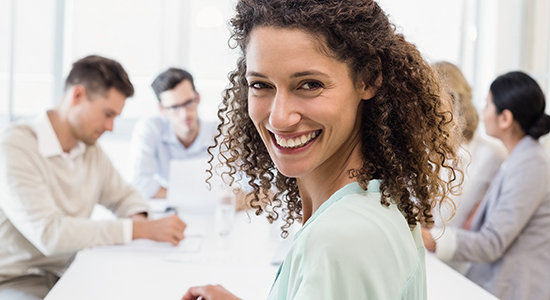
490	117
303	103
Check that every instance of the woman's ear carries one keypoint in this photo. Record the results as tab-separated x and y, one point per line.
368	91
505	119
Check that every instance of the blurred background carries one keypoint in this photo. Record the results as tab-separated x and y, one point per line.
39	40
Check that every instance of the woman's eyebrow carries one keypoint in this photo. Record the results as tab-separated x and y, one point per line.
256	74
295	75
308	73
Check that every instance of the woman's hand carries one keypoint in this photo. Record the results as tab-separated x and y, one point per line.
429	241
209	292
468	223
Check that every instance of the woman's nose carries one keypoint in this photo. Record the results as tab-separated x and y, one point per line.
284	111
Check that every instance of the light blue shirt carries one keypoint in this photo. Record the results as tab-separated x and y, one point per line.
154	144
353	247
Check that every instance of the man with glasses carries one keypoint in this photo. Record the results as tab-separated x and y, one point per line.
177	133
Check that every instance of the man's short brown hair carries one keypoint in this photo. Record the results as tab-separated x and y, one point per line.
99	74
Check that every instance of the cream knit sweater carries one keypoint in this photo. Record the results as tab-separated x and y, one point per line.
45	205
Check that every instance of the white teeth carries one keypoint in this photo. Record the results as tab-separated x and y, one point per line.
296	142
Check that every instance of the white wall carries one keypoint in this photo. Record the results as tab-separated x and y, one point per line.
147	37
434	26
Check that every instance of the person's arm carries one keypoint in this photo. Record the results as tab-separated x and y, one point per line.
116	194
467	225
143	161
161	194
244	198
139	217
520	196
168	229
28	203
429	241
126	202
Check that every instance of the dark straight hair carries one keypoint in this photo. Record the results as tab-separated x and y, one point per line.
98	74
521	95
169	79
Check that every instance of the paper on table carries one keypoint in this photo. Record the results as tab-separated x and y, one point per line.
196	225
194	230
189	244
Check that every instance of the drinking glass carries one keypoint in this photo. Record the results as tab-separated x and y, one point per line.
225	214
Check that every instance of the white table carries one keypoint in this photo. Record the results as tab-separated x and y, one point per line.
241	263
446	283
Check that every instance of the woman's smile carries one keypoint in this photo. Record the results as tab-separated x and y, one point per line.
296	140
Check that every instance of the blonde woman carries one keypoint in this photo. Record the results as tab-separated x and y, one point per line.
481	156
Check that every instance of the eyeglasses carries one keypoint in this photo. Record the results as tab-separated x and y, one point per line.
189	104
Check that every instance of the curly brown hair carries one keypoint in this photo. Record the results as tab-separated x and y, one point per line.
408	133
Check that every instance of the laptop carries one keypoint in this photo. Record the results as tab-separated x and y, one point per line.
187	190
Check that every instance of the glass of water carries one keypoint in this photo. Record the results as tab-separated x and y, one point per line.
225	214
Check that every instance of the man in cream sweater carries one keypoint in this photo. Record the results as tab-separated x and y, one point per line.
52	173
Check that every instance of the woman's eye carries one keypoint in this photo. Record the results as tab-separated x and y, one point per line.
312	85
258	85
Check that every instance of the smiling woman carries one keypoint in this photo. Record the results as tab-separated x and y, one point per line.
344	118
303	66
305	107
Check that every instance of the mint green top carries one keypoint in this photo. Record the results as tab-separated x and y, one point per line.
353	247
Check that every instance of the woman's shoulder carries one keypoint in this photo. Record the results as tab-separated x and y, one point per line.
365	210
359	224
363	241
528	152
528	164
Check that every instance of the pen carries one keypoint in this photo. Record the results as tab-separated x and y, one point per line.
170	208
